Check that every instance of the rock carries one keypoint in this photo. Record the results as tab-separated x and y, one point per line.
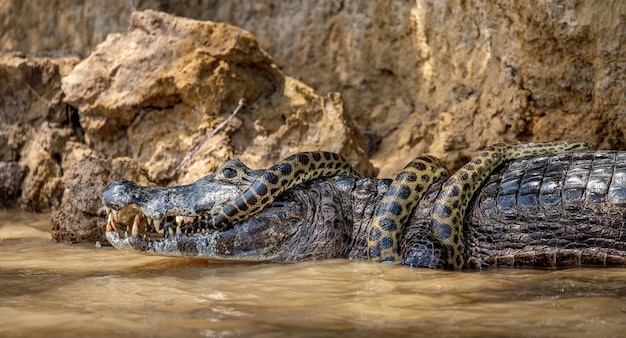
81	215
11	177
156	111
34	127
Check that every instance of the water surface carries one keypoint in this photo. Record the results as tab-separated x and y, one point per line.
52	290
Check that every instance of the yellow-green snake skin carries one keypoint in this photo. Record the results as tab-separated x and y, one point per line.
456	193
396	206
291	171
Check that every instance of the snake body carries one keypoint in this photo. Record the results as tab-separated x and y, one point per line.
450	206
394	209
291	171
398	203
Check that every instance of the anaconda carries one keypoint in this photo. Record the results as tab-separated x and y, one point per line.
291	171
398	203
327	218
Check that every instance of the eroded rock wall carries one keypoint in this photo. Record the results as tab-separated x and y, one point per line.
425	76
35	126
449	77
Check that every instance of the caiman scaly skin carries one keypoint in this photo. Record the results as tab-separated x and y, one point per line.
547	211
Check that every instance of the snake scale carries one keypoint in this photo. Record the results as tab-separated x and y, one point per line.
293	170
394	209
400	199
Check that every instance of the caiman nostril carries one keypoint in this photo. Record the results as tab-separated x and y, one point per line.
121	193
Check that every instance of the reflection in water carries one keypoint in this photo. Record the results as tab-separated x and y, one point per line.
49	289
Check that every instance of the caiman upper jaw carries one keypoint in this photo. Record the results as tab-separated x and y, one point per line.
196	199
164	210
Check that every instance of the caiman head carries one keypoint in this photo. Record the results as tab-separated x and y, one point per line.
168	221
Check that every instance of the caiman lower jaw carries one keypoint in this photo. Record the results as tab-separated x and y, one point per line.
158	237
145	235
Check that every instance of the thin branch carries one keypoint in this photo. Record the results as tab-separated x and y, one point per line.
193	151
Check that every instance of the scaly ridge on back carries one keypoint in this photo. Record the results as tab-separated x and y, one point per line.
291	171
396	206
453	200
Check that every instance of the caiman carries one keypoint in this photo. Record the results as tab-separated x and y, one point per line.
546	211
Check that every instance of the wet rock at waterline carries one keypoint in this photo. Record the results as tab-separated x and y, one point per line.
81	215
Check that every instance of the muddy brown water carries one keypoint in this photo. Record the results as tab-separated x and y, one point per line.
49	289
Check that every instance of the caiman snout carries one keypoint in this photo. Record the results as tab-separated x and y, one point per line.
164	210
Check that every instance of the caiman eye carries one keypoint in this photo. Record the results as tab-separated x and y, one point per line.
229	173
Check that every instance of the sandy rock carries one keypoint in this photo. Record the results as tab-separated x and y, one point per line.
158	90
81	216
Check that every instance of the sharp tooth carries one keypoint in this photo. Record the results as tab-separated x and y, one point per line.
178	230
170	231
126	234
115	214
136	224
110	224
150	222
157	225
179	220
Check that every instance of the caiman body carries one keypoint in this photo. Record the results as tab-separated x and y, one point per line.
550	211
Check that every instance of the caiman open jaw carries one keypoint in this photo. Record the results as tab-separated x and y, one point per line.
168	211
168	221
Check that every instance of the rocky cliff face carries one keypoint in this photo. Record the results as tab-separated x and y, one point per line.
439	77
35	129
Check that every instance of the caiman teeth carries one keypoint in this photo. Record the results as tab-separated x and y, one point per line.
170	231
114	213
188	219
136	224
157	224
179	222
110	224
149	221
